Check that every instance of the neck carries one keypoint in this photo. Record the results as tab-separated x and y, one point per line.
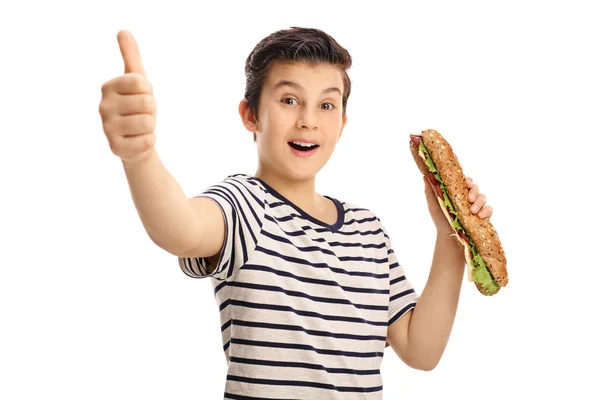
300	192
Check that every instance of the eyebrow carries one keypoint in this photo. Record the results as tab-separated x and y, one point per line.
297	86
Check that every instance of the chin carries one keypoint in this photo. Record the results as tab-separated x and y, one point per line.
295	172
303	175
294	169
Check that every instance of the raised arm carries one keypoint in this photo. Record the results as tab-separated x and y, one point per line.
181	226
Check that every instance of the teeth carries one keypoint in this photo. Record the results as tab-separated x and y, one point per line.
303	144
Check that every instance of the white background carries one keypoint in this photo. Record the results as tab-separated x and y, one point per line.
90	308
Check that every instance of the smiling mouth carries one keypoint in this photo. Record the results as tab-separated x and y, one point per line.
306	147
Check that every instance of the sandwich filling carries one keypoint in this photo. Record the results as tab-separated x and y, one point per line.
478	271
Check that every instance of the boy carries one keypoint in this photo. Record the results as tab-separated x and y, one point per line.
309	289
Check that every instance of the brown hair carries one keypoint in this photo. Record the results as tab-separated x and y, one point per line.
308	45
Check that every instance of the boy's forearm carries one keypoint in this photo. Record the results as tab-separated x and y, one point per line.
434	314
161	204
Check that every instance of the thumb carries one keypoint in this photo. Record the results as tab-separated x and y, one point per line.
130	52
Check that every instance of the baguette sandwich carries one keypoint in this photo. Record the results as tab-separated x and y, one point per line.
484	255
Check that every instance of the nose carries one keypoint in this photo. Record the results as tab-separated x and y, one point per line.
307	119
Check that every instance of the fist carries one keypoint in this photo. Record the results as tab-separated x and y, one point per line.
128	107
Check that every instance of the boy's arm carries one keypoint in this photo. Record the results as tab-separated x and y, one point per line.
183	227
128	111
419	338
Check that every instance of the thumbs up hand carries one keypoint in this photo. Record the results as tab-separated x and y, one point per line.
128	107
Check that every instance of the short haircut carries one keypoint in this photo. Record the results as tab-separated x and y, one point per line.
312	46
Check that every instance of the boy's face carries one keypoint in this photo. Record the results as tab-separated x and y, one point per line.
299	103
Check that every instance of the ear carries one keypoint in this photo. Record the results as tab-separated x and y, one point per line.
344	120
247	116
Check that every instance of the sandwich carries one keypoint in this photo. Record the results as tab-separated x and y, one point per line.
484	255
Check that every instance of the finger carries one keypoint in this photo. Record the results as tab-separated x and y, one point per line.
469	182
478	204
127	147
132	84
473	193
136	104
135	125
128	105
130	52
486	212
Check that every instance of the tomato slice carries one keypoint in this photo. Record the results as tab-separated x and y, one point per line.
416	139
440	192
432	179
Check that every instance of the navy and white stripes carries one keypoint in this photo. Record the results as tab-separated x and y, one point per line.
304	305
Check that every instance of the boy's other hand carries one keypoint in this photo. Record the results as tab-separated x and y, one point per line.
128	107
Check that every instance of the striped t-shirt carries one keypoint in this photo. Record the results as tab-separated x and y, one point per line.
304	306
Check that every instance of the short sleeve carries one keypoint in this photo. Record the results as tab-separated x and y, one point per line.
242	202
403	297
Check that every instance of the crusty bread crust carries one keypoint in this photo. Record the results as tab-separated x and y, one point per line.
481	231
483	292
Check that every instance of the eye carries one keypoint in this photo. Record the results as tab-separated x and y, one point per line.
332	106
288	98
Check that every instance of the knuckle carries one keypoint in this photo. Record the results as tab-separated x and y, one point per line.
103	108
120	83
123	83
149	141
138	83
147	103
106	86
148	86
136	80
111	85
141	144
115	146
147	123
